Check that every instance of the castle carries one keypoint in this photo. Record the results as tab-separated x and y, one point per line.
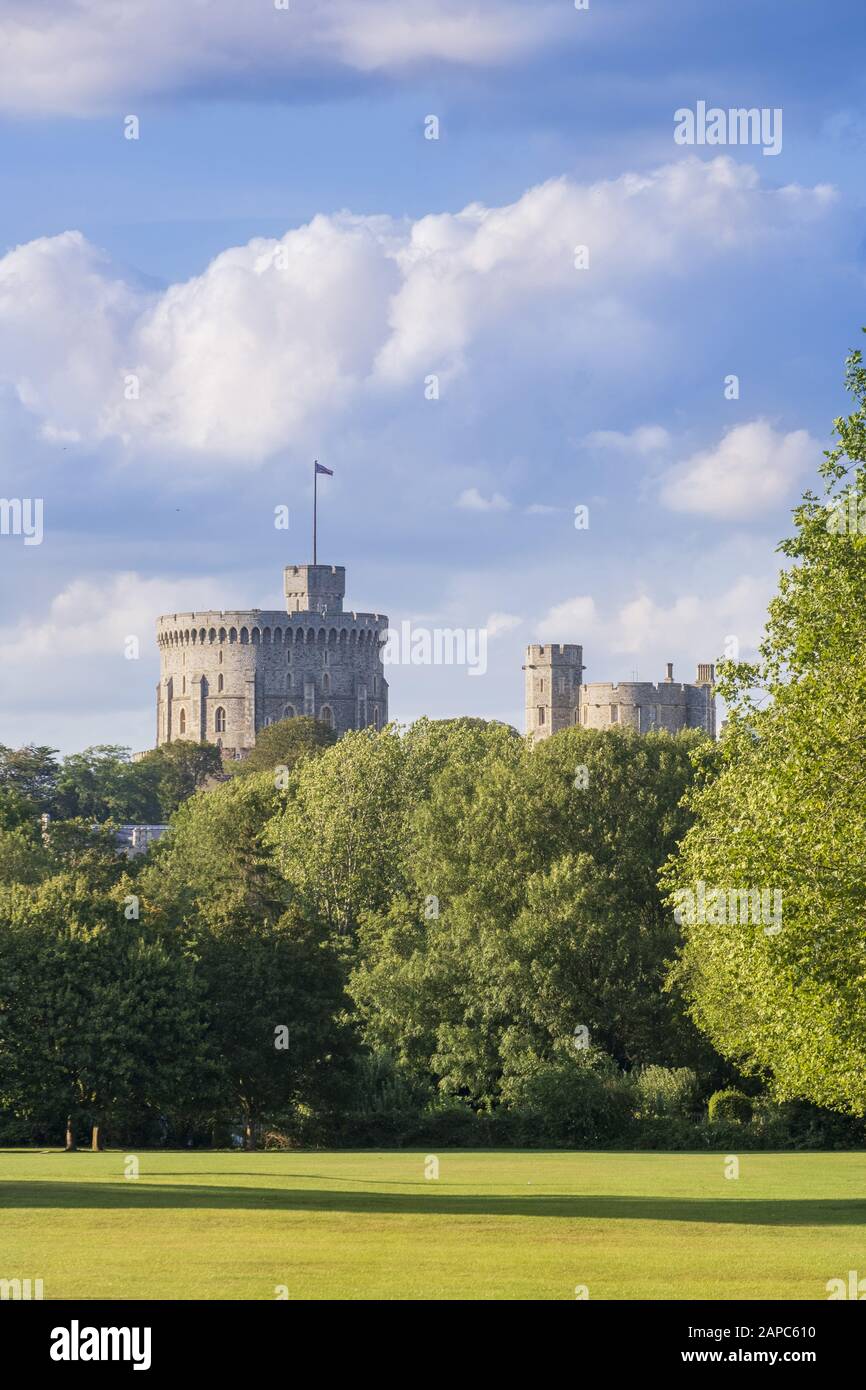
556	697
226	675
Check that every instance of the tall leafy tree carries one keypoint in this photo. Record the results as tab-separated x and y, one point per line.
272	984
531	913
99	1012
787	813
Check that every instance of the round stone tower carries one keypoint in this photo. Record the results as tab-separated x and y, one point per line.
226	674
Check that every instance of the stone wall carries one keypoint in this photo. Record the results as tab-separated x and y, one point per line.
226	674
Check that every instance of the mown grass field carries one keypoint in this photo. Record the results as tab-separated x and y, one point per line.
522	1225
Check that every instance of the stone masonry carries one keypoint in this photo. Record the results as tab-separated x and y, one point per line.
227	674
556	697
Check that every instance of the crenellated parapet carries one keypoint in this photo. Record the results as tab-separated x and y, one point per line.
557	697
227	673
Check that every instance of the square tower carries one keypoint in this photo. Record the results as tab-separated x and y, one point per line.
553	678
314	588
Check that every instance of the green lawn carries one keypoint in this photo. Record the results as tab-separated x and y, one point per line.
369	1225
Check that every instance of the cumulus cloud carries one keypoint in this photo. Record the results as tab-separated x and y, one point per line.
499	623
646	439
95	617
706	627
279	335
88	55
752	469
471	500
570	621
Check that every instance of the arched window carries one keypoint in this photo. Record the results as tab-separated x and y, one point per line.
182	724
375	716
289	712
289	681
327	716
220	680
219	720
326	682
289	655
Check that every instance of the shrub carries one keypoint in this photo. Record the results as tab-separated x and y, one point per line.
582	1101
666	1092
729	1106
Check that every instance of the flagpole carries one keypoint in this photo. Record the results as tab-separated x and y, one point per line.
315	503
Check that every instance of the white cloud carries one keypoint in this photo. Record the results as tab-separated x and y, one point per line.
695	626
94	617
499	623
471	500
646	439
93	55
540	509
278	337
570	621
751	469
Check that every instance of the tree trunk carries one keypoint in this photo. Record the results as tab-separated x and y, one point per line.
250	1134
96	1142
70	1137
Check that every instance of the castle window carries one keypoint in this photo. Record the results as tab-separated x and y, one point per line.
614	714
221	657
326	682
220	679
327	716
289	681
289	712
182	724
375	716
183	692
288	654
219	720
541	714
375	685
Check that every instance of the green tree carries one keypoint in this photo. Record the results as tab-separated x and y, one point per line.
178	769
529	915
31	772
787	815
104	784
99	1012
285	744
337	840
272	984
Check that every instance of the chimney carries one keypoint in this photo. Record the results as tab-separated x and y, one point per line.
670	674
706	674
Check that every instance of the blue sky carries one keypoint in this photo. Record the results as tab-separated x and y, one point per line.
282	260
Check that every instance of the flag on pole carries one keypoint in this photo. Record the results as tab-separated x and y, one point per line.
320	468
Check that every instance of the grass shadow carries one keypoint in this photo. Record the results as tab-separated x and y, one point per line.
119	1194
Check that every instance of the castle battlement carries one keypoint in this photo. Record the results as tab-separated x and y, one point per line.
557	697
228	672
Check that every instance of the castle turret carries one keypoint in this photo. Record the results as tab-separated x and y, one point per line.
227	674
314	588
552	685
